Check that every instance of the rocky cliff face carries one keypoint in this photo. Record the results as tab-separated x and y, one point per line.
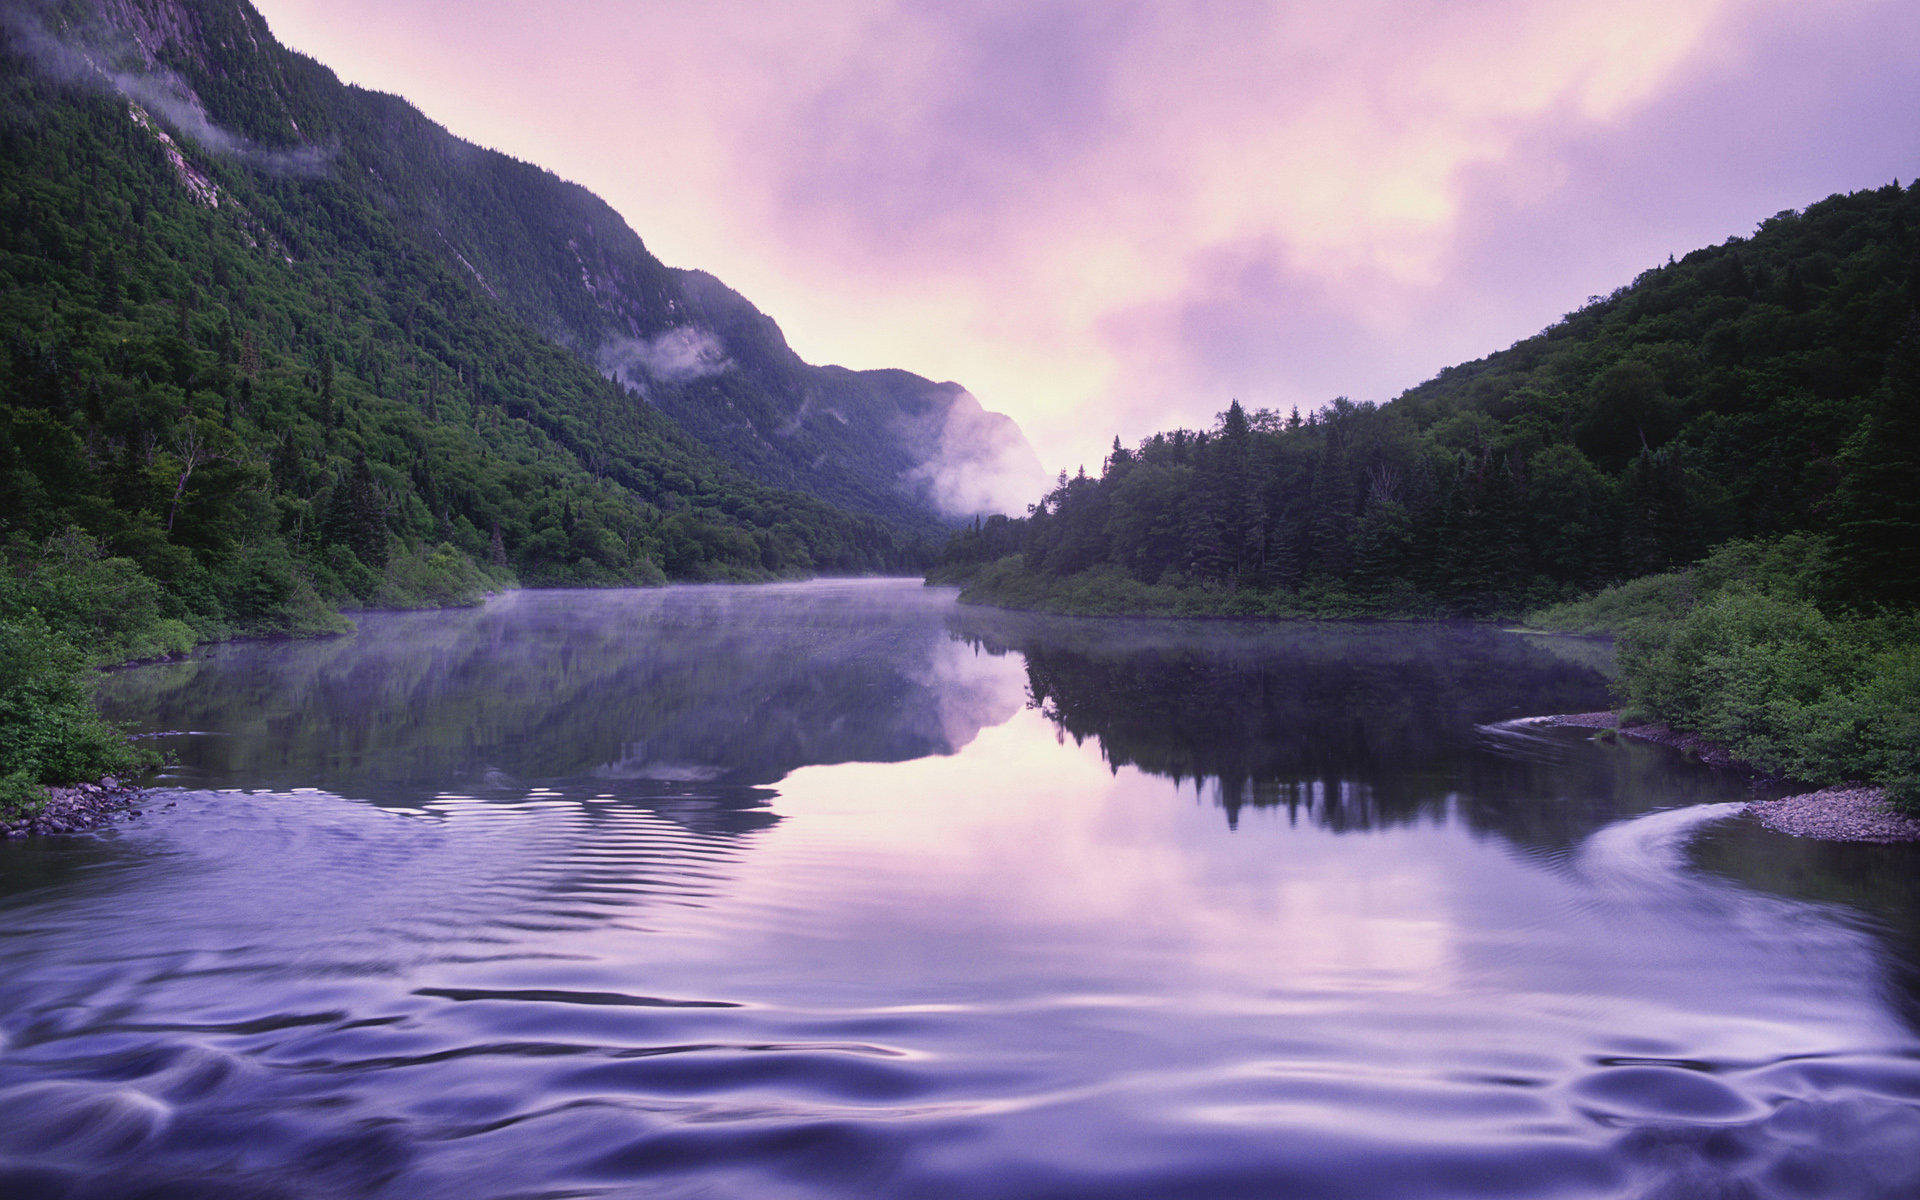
558	258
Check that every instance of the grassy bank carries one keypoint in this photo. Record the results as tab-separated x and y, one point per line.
1754	650
1109	591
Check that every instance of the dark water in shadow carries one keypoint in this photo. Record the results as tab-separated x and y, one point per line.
837	890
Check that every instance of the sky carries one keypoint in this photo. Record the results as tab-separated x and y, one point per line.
1108	217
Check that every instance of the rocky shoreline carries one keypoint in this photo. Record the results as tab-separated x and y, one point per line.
1853	812
1847	813
77	807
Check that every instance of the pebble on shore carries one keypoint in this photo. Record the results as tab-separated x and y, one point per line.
1846	813
76	807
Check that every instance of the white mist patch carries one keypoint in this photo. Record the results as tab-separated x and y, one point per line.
972	461
680	355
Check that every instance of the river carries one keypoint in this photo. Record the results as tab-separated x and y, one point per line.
841	890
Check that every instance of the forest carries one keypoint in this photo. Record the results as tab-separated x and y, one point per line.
1717	463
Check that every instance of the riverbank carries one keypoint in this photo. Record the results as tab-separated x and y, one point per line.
1652	731
1108	591
1843	813
1847	813
75	808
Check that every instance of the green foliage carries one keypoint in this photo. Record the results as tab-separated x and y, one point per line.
1877	505
438	578
1766	387
49	730
1785	686
1649	598
1797	566
1756	649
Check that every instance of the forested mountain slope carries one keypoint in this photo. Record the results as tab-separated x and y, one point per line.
561	260
1765	386
247	348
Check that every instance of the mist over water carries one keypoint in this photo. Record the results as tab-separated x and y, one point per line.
839	889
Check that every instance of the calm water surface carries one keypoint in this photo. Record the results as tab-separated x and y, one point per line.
840	890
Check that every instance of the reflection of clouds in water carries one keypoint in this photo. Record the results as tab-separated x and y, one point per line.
1072	853
971	690
1290	975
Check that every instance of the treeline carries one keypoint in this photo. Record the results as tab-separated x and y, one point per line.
1748	390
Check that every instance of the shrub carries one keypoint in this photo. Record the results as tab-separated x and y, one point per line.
1649	598
1786	687
437	578
103	604
49	731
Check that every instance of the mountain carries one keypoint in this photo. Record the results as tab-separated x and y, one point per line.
310	171
275	343
1764	387
567	265
883	441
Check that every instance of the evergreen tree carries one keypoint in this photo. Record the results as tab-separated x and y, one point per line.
1876	511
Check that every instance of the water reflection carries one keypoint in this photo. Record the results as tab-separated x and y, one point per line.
1350	726
840	891
623	693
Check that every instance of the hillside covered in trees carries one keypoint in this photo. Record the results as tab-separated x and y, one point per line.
1761	387
276	135
235	363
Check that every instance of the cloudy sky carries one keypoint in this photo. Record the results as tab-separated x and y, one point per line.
1109	217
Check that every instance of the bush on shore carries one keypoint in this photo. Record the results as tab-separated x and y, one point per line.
1796	565
68	605
50	732
1787	687
1750	649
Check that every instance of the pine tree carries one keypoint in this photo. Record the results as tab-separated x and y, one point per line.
1876	510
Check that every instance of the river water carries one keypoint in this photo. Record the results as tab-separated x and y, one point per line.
843	890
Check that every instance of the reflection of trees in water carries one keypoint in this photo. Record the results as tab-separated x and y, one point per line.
1346	726
687	692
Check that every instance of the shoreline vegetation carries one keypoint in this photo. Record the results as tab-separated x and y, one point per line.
69	608
73	594
1756	649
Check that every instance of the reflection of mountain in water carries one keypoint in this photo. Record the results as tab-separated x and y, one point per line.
679	690
1346	725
